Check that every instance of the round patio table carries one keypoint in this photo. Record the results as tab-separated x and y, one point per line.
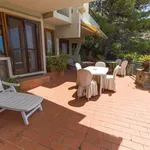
111	65
99	71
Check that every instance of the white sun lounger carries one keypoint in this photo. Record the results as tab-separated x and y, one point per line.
24	103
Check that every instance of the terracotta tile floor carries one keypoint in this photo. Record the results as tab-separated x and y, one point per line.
114	121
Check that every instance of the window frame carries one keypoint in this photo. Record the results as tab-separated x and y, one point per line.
2	25
45	38
64	41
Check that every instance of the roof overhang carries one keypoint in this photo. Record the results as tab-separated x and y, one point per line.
41	6
93	29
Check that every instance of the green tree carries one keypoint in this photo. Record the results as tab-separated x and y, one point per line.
121	21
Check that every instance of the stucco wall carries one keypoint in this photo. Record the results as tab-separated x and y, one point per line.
70	31
47	25
24	15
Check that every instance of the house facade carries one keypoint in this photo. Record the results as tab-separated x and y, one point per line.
30	29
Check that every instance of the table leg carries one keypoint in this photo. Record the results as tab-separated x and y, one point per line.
101	84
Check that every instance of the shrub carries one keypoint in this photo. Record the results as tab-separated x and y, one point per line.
11	80
143	58
120	55
131	56
57	63
100	57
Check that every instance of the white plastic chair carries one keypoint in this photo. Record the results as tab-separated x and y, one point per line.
118	61
122	68
26	104
78	67
109	82
87	86
100	64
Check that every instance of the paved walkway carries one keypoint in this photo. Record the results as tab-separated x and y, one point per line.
114	121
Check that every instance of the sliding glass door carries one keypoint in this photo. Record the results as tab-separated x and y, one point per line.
23	44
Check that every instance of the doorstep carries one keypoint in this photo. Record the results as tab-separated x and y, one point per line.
28	83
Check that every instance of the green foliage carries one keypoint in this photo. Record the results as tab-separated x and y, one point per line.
116	47
136	57
100	57
11	80
121	20
131	56
57	63
138	45
48	53
62	62
120	55
143	58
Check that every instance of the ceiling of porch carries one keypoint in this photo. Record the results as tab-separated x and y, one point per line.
42	6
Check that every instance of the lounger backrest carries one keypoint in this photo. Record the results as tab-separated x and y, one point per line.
1	86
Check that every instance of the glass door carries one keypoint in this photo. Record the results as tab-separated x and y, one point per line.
24	45
17	46
31	45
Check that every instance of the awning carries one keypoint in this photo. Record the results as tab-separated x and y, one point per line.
93	29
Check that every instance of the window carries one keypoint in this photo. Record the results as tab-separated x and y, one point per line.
49	41
2	50
74	46
3	69
64	46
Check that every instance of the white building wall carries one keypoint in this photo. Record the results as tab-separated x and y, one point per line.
70	31
43	60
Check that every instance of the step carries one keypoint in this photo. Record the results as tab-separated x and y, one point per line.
28	83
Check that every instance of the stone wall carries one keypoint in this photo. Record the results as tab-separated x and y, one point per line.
131	68
143	78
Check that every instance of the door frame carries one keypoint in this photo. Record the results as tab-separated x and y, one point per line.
45	39
64	41
39	43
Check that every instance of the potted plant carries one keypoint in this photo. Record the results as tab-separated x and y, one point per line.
145	59
62	63
57	64
12	80
146	65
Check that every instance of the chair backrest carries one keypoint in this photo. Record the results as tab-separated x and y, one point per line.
118	61
100	64
124	64
115	71
78	66
1	86
84	77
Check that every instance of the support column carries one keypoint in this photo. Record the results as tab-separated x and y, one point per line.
57	50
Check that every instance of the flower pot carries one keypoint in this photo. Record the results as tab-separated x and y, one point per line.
61	73
146	65
54	74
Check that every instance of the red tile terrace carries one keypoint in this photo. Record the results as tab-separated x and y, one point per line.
113	121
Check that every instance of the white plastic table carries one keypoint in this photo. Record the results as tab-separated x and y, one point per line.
99	71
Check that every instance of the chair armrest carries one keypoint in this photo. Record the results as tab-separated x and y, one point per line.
10	84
